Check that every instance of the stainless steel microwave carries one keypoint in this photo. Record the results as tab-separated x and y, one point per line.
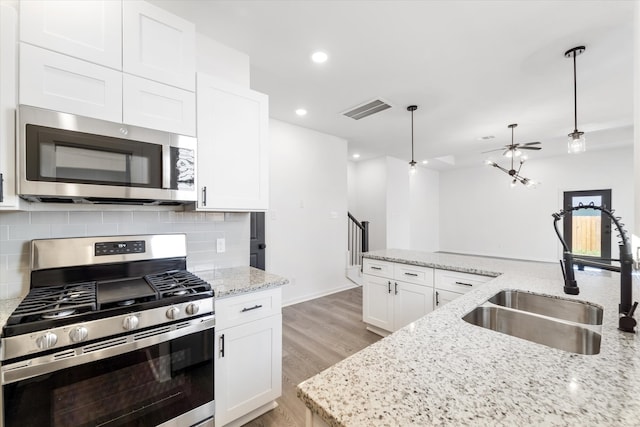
66	158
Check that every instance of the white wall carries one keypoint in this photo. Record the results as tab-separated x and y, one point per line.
398	204
218	60
306	225
371	182
481	214
424	200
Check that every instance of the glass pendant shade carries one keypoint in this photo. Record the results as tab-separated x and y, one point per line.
577	143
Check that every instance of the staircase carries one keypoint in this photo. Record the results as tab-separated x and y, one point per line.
357	244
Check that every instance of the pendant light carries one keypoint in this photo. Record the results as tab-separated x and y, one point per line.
514	174
577	142
412	163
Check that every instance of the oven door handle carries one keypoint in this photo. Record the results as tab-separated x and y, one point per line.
18	371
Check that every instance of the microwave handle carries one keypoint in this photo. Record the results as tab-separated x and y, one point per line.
166	167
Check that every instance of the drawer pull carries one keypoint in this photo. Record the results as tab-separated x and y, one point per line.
465	284
255	307
389	286
411	274
373	267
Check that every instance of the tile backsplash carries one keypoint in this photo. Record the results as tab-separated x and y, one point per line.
202	230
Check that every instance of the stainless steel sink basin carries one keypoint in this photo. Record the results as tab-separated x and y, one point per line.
571	310
538	329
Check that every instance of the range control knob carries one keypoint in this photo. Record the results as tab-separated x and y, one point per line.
192	309
130	322
46	341
173	313
78	334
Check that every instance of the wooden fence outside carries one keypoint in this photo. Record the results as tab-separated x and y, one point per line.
586	235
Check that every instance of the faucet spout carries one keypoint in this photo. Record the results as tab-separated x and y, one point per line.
627	307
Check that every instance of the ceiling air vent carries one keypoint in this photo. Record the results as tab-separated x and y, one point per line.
367	109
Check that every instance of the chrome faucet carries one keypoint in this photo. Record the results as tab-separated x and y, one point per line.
626	308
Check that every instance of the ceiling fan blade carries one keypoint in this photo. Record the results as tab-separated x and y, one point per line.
529	148
490	151
532	143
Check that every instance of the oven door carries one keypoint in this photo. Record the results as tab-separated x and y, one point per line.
158	377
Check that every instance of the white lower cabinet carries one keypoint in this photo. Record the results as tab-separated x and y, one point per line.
248	356
395	295
451	284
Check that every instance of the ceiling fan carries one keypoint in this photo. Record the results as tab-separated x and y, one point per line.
513	149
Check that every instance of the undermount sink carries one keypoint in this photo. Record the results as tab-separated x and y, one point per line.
560	323
559	308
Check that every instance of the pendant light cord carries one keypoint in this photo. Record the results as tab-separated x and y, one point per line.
575	95
412	135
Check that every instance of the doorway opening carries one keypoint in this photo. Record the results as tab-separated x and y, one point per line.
257	245
588	231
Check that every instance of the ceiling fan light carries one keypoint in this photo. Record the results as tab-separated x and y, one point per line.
412	168
577	143
513	183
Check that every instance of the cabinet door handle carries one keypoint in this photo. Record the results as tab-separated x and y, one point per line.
221	346
255	307
389	286
1	188
204	196
411	274
465	284
437	298
396	287
373	267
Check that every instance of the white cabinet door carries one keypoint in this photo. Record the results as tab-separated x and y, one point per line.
62	83
248	367
158	45
443	297
154	105
377	302
410	302
88	29
8	101
232	147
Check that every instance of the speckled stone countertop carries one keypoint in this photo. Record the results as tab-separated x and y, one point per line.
232	281
441	370
225	282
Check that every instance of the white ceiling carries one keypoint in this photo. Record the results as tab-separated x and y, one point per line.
472	67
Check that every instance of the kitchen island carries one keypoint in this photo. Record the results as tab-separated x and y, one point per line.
441	370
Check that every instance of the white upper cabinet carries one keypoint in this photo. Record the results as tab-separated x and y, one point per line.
88	29
158	45
62	83
8	101
153	105
233	156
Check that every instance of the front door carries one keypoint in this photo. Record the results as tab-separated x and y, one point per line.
257	246
588	231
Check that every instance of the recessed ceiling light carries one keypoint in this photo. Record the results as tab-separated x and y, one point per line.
301	112
484	138
319	57
356	156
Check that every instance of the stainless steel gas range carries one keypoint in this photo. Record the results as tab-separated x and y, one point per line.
114	332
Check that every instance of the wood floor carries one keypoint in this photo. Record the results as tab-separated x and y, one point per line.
315	335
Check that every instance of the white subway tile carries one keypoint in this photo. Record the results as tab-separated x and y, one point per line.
130	228
14	218
14	247
117	217
91	217
54	217
102	229
29	231
145	217
4	233
68	230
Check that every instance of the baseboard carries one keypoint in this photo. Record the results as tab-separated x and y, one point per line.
383	333
344	287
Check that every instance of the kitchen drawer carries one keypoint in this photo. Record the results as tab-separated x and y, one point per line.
377	268
458	282
236	310
413	274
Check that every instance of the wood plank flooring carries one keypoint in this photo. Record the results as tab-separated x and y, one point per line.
315	335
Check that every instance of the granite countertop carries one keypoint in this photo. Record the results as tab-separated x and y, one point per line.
224	281
441	370
233	281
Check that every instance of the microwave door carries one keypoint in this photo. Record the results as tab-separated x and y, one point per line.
69	164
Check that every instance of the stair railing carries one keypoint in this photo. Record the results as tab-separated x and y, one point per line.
358	239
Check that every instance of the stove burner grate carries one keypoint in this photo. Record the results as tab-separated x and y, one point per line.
53	302
177	283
